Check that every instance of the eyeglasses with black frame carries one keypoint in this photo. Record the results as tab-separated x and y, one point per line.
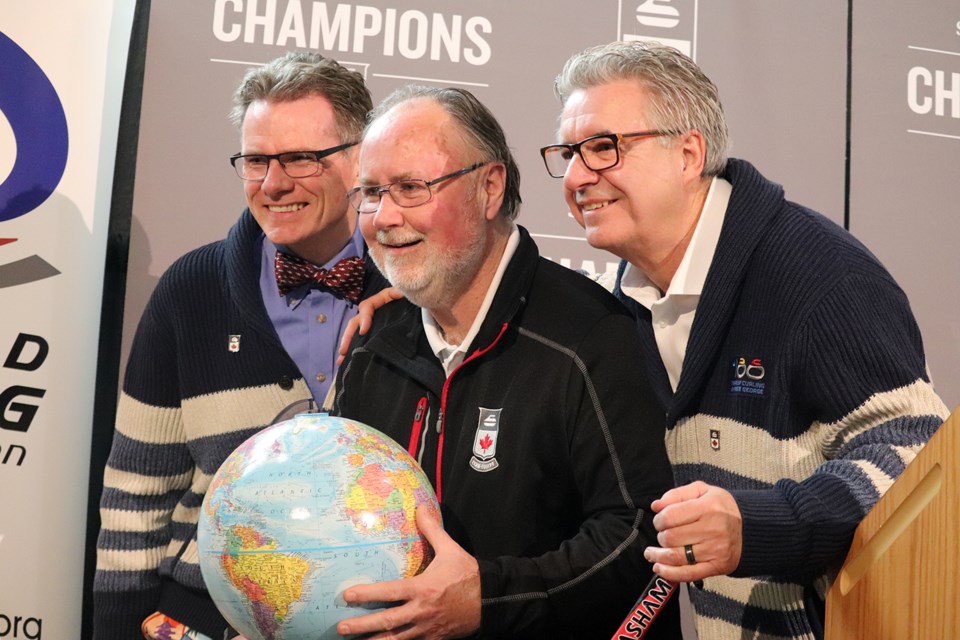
412	192
598	152
253	167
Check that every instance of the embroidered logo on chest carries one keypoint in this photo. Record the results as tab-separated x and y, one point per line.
747	378
485	441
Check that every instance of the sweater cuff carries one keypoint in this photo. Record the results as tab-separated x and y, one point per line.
121	614
797	530
774	542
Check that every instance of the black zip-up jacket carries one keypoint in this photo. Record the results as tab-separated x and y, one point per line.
545	447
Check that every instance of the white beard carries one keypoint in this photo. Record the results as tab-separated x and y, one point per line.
438	280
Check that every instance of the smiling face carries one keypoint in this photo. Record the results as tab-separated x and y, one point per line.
642	208
309	215
435	252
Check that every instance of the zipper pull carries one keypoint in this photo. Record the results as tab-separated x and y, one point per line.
416	427
440	420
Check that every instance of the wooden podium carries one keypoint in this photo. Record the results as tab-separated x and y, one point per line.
901	579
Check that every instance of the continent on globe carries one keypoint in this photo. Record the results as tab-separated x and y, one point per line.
301	511
271	581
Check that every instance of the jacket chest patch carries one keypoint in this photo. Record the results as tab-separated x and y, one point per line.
485	441
747	377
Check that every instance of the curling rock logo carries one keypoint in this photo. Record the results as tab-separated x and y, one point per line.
31	107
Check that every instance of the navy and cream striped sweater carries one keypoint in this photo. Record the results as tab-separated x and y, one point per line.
188	400
803	392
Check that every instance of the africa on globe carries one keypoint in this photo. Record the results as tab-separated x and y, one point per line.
299	512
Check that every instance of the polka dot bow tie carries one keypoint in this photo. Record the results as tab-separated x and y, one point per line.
344	279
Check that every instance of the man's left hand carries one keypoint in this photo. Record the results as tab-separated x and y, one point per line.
707	519
442	602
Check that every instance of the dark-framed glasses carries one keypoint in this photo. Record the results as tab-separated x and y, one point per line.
597	152
296	164
406	193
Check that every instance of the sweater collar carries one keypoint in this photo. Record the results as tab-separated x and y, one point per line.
242	265
754	203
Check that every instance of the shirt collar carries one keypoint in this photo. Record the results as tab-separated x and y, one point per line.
451	355
692	272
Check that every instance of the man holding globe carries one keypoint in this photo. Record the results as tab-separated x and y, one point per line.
515	384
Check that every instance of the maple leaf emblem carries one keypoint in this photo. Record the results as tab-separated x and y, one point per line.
486	442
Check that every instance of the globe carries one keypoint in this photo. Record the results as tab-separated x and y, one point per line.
299	512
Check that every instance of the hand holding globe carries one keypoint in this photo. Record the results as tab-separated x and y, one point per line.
441	602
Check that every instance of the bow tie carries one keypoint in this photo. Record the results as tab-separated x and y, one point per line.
344	279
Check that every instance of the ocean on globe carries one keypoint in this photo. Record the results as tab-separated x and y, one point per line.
301	511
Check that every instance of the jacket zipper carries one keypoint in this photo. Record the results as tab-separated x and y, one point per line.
443	403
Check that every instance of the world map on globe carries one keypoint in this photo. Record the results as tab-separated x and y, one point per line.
301	511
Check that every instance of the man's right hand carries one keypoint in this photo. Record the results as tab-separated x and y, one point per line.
364	318
440	603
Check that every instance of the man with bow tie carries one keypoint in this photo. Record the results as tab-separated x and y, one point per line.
235	333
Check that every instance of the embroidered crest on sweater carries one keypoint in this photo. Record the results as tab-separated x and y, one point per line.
485	441
748	376
233	343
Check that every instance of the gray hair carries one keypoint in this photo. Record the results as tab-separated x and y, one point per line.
298	74
682	97
478	129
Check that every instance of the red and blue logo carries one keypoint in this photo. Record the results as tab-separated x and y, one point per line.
33	109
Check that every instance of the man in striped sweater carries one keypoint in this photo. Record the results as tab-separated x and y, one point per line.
230	337
786	359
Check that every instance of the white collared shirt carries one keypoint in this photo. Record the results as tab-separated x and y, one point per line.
451	355
674	311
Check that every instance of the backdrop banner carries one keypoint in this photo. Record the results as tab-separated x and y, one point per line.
507	53
61	77
904	145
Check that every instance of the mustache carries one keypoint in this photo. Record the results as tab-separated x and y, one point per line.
396	237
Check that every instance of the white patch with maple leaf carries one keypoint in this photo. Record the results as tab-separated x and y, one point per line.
485	442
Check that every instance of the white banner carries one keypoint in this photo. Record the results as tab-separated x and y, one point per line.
61	79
